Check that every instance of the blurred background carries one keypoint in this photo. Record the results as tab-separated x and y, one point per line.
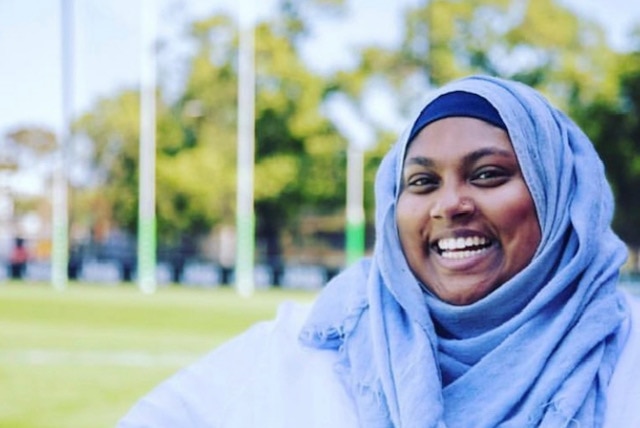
211	150
328	78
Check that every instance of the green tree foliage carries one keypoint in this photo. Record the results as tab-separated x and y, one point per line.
614	126
33	148
196	168
541	43
112	126
195	144
35	139
566	56
299	156
30	149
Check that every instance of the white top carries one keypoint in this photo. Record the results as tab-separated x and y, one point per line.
265	378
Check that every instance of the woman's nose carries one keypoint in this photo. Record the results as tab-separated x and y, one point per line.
452	203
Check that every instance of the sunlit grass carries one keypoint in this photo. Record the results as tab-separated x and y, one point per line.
81	357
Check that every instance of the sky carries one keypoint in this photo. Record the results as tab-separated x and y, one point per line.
107	46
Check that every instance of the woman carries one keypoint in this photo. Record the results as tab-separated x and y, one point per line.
490	299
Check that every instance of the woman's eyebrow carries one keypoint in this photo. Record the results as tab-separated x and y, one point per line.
469	158
420	160
487	151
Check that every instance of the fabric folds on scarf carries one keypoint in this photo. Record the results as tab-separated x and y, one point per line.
539	351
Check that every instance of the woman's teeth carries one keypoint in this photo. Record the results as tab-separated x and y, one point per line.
460	248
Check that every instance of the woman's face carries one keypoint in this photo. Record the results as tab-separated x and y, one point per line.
466	220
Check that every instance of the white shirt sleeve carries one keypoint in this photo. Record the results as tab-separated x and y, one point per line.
262	378
623	399
198	395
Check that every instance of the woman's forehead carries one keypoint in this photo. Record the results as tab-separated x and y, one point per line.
459	139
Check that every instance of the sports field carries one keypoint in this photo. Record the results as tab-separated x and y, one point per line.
81	357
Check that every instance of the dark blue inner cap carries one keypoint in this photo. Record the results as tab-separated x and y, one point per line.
457	104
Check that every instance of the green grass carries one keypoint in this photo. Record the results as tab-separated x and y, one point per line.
81	357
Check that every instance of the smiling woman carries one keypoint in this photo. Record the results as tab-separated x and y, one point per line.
466	220
491	298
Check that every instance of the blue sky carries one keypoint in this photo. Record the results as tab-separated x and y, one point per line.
107	45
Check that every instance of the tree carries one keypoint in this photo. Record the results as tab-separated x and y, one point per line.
28	151
614	126
299	156
32	149
540	43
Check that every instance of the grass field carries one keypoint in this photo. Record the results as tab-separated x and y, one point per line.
81	357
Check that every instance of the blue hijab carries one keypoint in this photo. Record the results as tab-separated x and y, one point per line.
537	352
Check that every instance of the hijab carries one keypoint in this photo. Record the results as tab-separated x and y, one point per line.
540	349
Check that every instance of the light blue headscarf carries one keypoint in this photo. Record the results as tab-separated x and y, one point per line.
540	350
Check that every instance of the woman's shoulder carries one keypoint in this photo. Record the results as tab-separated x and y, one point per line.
631	350
263	375
624	390
632	347
632	296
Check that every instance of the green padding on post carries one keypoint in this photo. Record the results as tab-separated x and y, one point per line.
245	253
355	241
147	253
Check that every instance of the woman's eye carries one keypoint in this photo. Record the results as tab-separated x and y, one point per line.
490	177
422	182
